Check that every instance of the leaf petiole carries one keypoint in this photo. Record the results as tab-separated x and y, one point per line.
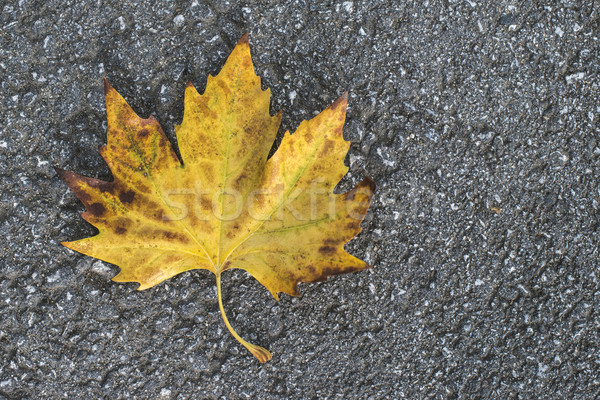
263	355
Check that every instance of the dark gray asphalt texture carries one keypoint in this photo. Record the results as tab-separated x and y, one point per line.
479	123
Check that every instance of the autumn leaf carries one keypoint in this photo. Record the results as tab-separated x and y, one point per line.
224	205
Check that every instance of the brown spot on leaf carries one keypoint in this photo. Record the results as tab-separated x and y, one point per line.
104	187
342	101
76	181
143	133
317	277
327	250
328	271
327	148
170	235
352	225
206	204
231	234
175	236
151	121
239	181
331	271
84	197
209	169
308	136
354	269
122	225
126	197
366	186
107	86
96	209
224	87
370	183
294	292
244	40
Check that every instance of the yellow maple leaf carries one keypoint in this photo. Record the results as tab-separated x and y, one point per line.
224	205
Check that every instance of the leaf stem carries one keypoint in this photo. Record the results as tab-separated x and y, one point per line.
261	353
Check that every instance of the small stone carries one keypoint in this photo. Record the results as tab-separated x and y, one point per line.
178	21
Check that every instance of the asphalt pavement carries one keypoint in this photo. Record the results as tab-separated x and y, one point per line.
479	122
